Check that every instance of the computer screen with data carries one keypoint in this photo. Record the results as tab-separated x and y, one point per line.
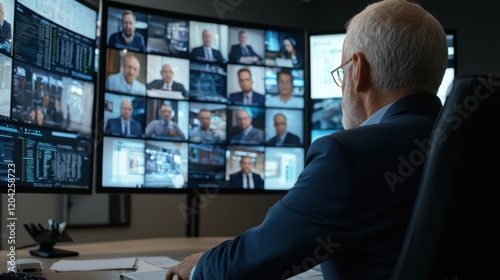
47	96
326	97
190	102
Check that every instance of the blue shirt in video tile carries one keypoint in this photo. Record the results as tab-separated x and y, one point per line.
117	40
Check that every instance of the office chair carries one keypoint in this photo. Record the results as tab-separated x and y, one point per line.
453	231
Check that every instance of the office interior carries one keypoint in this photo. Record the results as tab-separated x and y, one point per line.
228	215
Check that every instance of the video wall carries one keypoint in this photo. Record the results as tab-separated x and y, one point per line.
47	86
194	103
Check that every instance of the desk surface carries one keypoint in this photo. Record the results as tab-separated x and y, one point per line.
176	248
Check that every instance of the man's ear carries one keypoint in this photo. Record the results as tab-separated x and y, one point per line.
360	72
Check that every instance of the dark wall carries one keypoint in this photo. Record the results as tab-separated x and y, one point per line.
283	13
476	23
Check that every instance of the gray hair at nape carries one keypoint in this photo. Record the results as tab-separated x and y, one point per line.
404	44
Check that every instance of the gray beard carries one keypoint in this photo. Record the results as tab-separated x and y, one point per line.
352	115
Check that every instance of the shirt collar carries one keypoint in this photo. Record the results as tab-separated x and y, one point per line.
377	116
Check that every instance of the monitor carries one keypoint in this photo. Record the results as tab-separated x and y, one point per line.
47	96
326	110
326	97
192	103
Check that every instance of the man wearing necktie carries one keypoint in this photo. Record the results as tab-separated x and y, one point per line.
167	82
126	128
165	127
206	52
245	178
124	125
243	53
245	132
247	96
283	137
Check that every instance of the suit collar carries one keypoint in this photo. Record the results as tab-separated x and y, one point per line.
421	103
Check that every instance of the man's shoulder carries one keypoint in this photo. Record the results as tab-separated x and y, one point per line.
177	84
257	130
235	174
257	95
113	120
197	48
114	76
235	94
272	141
154	122
292	135
114	36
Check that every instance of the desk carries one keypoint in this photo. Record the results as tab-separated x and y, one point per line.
176	248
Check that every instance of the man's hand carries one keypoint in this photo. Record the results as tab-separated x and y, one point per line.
183	270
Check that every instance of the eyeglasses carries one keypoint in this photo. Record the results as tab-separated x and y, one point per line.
338	73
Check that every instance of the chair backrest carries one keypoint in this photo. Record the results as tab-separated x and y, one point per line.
454	230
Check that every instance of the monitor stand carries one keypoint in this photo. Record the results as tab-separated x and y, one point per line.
47	250
47	239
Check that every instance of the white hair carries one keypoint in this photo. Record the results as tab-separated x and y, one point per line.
404	45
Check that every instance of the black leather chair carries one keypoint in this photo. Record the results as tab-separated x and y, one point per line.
454	231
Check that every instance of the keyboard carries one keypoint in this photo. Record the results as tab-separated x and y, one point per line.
20	276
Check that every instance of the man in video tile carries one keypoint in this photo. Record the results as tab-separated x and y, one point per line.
124	125
245	178
166	82
246	96
128	38
243	53
283	138
206	52
245	132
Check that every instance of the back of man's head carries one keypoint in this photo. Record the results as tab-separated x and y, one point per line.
404	45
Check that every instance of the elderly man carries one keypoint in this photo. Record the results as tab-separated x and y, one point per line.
242	52
167	81
206	52
125	81
342	211
124	125
245	132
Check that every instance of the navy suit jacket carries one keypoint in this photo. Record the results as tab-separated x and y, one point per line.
158	84
291	140
236	181
199	54
254	137
5	32
237	98
348	210
114	127
236	53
